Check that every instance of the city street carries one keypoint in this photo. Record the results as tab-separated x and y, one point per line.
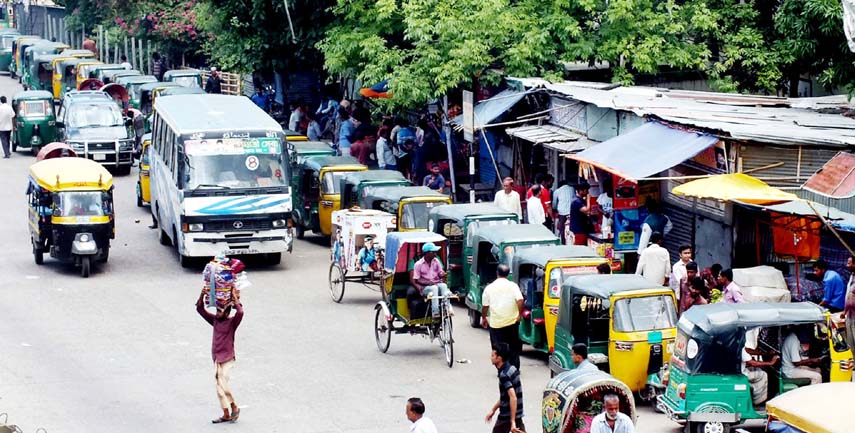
125	351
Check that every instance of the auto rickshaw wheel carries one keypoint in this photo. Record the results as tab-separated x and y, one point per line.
38	255
382	330
709	427
474	318
85	266
139	195
336	282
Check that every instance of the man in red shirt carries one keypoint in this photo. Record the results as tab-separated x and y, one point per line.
545	181
223	351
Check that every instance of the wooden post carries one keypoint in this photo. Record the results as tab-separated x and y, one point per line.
126	47
142	63
101	55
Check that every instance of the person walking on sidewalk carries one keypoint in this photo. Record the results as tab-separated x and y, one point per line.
416	415
7	117
508	199
223	352
510	404
501	309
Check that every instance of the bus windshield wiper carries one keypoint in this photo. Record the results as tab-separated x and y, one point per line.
210	185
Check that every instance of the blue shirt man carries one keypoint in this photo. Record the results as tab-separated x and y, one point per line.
261	100
835	289
367	256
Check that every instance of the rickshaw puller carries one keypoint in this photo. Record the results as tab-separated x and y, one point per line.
427	278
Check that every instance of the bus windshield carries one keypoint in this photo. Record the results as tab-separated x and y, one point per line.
234	163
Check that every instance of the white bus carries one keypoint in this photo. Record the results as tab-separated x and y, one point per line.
219	178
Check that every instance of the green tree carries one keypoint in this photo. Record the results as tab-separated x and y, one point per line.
250	35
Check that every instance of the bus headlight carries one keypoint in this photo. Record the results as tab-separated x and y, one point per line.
278	224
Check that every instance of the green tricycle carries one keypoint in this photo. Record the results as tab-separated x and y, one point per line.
35	120
458	222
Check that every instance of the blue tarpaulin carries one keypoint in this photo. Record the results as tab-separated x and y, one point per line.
489	109
645	151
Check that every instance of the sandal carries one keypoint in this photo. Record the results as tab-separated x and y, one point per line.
235	416
222	419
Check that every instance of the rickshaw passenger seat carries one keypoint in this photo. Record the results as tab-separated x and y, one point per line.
789	384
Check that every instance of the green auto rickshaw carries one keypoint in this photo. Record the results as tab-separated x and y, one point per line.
411	205
300	150
315	184
627	322
354	186
184	77
132	84
458	222
540	273
21	54
101	72
494	245
707	388
6	39
146	95
41	73
35	120
111	75
65	76
29	59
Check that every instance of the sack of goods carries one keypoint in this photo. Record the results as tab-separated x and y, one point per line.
221	276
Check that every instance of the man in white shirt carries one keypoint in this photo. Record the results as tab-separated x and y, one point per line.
416	415
561	200
534	207
612	420
508	199
580	358
753	369
678	271
794	365
655	262
7	117
501	308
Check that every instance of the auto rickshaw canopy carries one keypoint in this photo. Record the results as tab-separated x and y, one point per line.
734	187
816	409
517	233
461	211
316	163
397	193
372	175
78	53
149	86
540	256
395	241
79	174
32	95
309	148
180	90
604	286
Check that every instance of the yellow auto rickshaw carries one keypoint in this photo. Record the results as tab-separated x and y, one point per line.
410	204
71	211
316	183
144	181
627	322
58	65
84	68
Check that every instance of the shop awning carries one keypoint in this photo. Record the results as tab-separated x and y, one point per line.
645	151
836	179
734	187
551	136
489	109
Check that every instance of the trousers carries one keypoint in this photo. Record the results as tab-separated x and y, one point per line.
221	376
759	381
5	138
509	335
806	373
440	289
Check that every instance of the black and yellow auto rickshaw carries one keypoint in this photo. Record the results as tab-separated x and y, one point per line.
65	76
315	183
540	273
144	180
35	120
71	211
354	186
627	322
411	205
457	222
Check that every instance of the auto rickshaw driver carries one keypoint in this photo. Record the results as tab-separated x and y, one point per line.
752	368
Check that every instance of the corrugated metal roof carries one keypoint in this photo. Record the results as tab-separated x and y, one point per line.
761	119
489	109
553	137
836	179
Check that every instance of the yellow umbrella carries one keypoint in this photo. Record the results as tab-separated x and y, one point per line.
734	187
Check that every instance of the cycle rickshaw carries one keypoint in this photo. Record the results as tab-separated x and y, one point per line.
350	228
394	313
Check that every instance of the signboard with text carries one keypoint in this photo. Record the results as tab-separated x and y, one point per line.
468	116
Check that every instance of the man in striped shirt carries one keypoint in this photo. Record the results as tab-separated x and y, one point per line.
510	404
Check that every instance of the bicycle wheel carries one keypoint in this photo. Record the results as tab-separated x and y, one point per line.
336	283
445	336
382	330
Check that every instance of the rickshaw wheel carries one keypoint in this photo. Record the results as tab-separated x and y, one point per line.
336	283
39	256
445	336
474	318
85	266
382	330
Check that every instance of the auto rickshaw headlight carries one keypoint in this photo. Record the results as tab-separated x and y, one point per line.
83	238
278	224
195	227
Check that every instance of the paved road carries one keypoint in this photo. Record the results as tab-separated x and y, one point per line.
124	350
